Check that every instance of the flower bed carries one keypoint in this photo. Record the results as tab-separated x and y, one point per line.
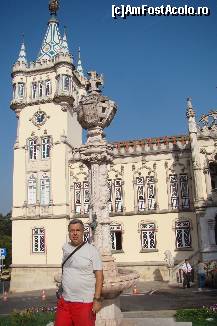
206	316
39	316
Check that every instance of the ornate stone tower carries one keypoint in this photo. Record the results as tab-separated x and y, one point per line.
45	93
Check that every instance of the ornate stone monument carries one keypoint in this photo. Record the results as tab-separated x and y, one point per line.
95	112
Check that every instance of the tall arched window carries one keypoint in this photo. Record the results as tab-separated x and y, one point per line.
45	190
32	190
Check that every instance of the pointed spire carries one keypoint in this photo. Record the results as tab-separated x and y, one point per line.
64	45
189	112
79	66
52	40
22	54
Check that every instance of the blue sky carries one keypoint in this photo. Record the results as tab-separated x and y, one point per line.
150	65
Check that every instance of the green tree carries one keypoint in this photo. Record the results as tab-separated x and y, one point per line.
6	236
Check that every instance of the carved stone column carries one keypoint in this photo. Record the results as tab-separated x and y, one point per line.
195	152
95	112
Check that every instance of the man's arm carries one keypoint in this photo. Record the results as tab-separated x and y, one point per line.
97	301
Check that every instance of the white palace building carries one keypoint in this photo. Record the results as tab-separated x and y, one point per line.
163	191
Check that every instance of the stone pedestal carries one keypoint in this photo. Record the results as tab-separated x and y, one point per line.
110	314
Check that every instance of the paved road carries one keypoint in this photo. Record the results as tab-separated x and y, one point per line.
162	299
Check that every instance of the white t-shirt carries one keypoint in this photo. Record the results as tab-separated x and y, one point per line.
78	279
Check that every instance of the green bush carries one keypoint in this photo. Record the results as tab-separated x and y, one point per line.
27	318
198	317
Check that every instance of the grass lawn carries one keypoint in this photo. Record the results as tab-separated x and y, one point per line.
27	319
198	317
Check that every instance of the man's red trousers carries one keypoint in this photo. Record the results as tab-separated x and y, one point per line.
74	314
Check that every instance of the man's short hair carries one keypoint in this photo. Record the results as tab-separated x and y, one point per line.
76	221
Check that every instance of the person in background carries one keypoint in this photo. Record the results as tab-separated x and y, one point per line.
186	268
201	275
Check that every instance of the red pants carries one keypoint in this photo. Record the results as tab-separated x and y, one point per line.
74	314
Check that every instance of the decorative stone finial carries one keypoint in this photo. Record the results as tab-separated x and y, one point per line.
22	54
94	82
64	46
79	66
53	7
189	112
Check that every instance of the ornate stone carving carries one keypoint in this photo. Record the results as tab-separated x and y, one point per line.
169	258
96	112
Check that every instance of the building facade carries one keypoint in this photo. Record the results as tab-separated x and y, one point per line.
162	191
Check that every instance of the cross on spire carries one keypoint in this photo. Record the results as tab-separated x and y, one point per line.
94	82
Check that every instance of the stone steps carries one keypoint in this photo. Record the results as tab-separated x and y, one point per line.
153	322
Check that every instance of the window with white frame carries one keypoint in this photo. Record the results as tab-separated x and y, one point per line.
40	89
86	196
47	87
81	197
184	191
118	194
86	233
140	192
116	236
21	88
179	191
151	195
31	190
45	147
148	235
45	190
38	240
77	197
33	149
174	193
34	90
183	234
145	193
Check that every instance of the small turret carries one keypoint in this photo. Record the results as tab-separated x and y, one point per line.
22	55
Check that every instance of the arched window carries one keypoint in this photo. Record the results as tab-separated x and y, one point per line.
66	83
40	89
47	87
34	90
116	236
45	190
32	190
21	88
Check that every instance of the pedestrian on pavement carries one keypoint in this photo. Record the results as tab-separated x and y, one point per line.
82	280
186	269
201	275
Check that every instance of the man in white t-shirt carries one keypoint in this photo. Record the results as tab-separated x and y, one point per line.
187	269
82	281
